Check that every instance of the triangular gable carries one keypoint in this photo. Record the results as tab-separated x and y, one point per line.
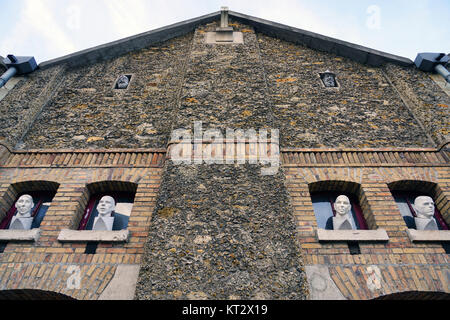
310	39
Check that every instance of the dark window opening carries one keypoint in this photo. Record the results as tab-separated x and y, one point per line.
42	201
123	82
91	248
405	201
353	247
324	210
446	247
328	79
3	245
123	203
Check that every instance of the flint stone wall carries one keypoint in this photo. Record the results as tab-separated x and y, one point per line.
365	111
221	232
426	99
87	112
262	83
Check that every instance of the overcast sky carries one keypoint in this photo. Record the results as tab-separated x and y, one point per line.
48	29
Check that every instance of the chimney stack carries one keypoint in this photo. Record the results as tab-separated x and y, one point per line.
224	33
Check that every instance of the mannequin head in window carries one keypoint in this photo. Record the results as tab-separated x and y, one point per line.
24	205
122	82
342	206
424	206
106	206
329	80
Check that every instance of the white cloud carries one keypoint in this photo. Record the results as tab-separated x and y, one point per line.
40	18
136	16
37	32
52	28
128	17
289	12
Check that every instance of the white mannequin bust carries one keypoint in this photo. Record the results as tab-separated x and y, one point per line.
424	207
104	221
328	80
23	219
122	82
342	220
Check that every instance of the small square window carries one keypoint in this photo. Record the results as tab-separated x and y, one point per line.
41	202
123	82
123	204
329	79
324	210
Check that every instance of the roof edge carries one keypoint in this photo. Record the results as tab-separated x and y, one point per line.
284	32
136	42
320	42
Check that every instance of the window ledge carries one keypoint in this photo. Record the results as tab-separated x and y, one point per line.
20	235
428	235
352	235
68	235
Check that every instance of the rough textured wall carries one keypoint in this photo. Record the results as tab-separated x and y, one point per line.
264	82
21	106
364	112
224	85
425	98
221	232
88	113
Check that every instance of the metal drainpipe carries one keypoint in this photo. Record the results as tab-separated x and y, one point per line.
443	72
433	62
16	65
7	75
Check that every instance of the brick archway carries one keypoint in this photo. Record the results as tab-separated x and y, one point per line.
415	295
100	187
32	294
350	187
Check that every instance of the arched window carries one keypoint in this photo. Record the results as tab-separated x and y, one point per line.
406	191
323	203
122	195
323	196
41	192
123	202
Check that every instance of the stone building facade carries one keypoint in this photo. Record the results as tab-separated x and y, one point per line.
225	231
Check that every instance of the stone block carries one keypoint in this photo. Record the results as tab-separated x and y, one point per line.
224	38
428	235
321	286
123	285
20	235
352	235
67	235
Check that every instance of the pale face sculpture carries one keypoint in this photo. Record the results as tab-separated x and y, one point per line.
328	80
342	206
122	82
24	206
424	206
105	206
